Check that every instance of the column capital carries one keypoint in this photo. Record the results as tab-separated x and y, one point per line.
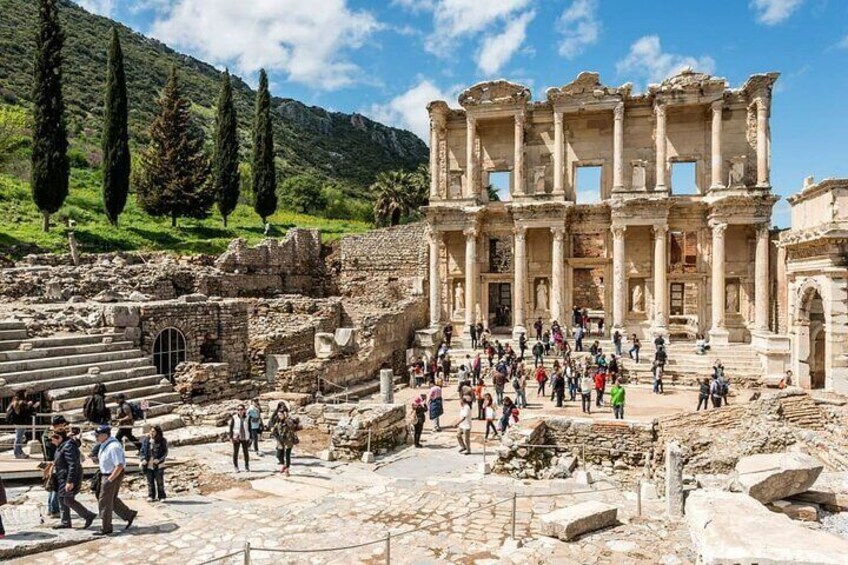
659	109
618	231
520	119
470	119
618	111
471	232
520	232
718	227
717	105
558	231
659	230
558	117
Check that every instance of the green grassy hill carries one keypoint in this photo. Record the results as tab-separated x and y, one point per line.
20	228
347	149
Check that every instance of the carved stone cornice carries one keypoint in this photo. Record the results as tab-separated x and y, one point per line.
833	232
494	93
688	87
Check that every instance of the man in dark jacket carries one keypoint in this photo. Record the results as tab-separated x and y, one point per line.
95	409
68	470
124	420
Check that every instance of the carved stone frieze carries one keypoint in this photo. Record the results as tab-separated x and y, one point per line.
494	93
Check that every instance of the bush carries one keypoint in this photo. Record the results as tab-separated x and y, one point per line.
302	194
78	159
342	207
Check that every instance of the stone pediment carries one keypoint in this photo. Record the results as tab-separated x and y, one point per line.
587	86
495	92
689	83
760	84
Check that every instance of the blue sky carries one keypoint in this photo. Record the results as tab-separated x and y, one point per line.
388	58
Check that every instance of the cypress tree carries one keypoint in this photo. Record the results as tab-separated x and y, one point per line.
50	166
264	175
225	164
116	150
175	176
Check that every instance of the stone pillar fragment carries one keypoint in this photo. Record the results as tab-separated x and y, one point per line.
661	141
718	333
716	159
660	280
761	280
435	282
618	148
557	272
387	386
559	152
619	279
673	480
762	143
519	294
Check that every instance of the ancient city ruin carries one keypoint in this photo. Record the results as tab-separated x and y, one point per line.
332	330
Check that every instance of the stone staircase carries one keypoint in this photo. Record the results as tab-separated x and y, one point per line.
684	366
64	369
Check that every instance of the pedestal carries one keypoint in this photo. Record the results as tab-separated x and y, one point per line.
517	331
719	336
673	480
387	386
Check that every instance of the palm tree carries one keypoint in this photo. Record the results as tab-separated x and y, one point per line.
393	194
421	184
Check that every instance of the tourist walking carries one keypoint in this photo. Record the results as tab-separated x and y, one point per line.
285	432
522	345
67	467
538	354
419	409
617	400
558	386
434	401
479	390
448	334
600	387
616	342
58	423
490	416
499	382
519	383
572	378
541	380
703	393
539	327
477	366
635	346
125	419
715	392
508	408
112	462
472	331
94	409
586	385
657	370
240	437
463	428
20	414
578	338
254	416
154	451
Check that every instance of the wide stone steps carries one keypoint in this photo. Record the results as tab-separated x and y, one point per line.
54	372
85	381
145	376
13	334
143	392
169	399
58	341
19	355
92	359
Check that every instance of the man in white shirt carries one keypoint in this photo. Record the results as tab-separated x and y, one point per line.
112	462
463	429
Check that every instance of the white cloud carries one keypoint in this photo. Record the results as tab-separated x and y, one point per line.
579	27
772	12
306	40
647	61
102	7
409	110
454	19
497	50
843	43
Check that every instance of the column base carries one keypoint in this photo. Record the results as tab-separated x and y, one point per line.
775	355
660	331
717	187
719	336
517	331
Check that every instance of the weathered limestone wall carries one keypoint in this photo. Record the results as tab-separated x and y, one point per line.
602	440
208	382
349	426
374	259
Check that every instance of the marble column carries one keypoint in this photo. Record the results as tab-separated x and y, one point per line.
718	333
470	277
518	169
716	159
557	272
618	148
619	279
434	160
559	153
470	157
761	280
433	238
762	143
662	166
519	294
660	280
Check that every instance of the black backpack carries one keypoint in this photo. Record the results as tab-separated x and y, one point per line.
137	412
88	409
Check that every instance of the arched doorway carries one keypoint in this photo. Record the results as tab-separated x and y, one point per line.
169	350
814	336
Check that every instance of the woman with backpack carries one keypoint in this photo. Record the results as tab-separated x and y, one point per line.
154	450
285	432
94	409
19	414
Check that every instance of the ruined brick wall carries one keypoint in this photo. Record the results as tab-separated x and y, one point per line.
371	260
349	425
292	265
589	288
602	440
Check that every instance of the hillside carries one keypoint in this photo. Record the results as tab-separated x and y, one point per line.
350	149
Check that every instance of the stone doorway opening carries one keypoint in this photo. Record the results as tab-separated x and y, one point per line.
812	340
169	350
500	307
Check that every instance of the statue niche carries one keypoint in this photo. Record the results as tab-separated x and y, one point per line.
637	298
458	298
731	298
639	180
542	295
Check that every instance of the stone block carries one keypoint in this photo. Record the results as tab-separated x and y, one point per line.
769	477
275	362
428	337
583	477
326	455
345	339
762	537
121	316
368	457
325	345
801	511
830	501
569	523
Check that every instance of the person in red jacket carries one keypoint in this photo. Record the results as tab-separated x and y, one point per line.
541	379
600	385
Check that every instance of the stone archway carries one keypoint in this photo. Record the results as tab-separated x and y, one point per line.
816	359
811	338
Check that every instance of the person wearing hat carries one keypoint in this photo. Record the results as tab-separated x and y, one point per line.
124	419
112	462
58	423
67	465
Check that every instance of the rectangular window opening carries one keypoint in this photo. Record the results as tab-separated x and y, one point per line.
684	179
587	184
499	181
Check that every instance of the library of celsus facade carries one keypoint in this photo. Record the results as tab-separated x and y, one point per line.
643	257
